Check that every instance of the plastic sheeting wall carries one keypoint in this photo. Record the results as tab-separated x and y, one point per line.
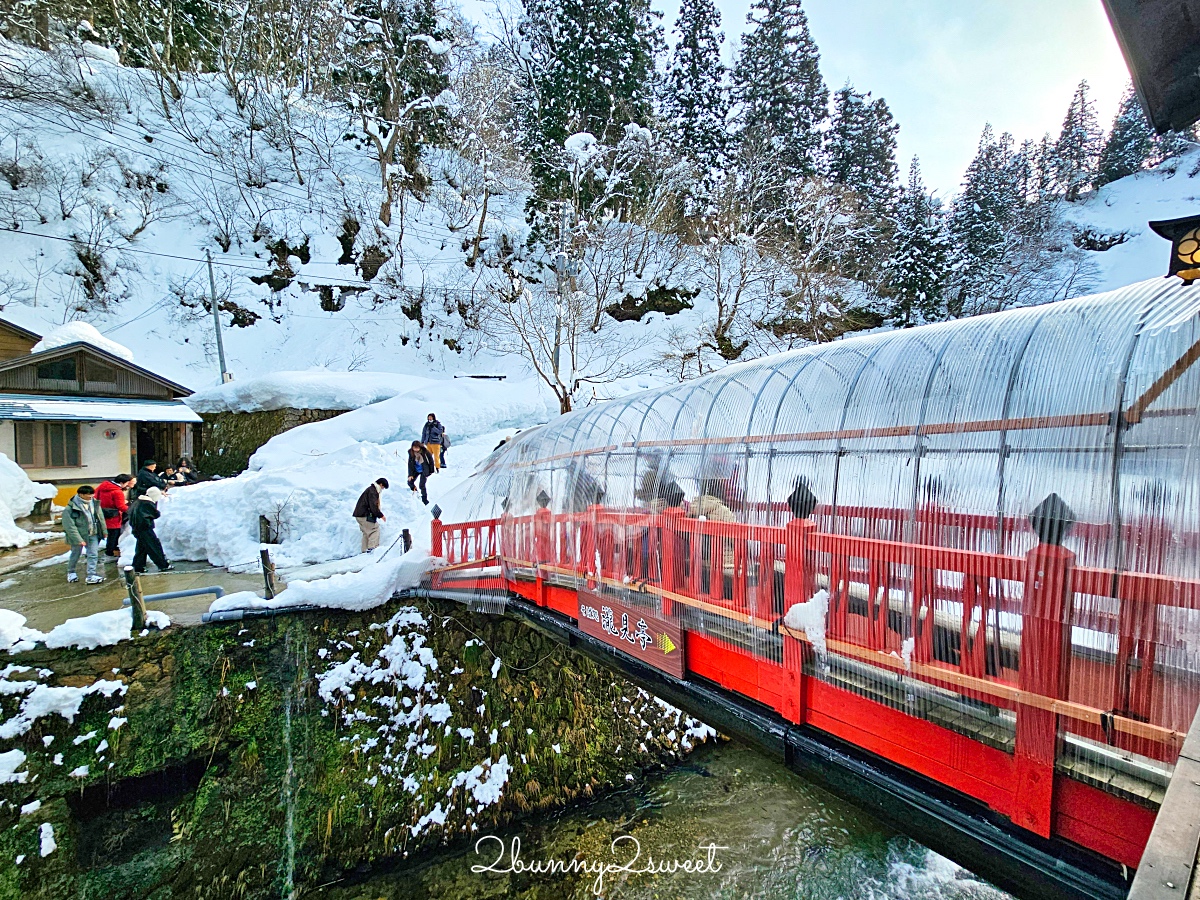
945	436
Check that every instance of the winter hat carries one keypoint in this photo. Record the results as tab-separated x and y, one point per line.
153	494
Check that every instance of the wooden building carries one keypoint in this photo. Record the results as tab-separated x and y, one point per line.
77	414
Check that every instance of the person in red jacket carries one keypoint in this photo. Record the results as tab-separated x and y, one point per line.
114	506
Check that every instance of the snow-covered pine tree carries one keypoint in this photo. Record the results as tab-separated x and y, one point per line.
594	73
1078	147
916	274
1130	145
860	146
1173	143
990	204
695	103
782	99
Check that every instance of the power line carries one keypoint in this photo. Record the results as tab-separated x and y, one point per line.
256	266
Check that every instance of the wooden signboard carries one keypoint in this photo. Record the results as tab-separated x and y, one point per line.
647	637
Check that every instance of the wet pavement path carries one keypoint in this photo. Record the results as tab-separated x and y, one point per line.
40	591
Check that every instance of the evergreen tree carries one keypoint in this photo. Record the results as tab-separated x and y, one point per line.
989	207
1173	144
860	147
594	73
1130	144
695	104
1078	147
781	96
915	280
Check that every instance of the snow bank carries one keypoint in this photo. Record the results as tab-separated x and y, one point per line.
74	332
101	629
17	496
371	586
314	389
13	631
306	481
809	617
467	409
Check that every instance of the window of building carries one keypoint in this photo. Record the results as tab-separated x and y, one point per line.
47	445
58	370
99	372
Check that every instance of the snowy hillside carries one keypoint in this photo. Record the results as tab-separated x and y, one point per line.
113	205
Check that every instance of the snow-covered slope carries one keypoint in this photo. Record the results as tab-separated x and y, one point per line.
117	201
305	481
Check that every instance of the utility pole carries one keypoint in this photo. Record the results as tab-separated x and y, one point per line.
560	265
212	293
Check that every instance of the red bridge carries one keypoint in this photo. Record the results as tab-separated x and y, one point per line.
867	556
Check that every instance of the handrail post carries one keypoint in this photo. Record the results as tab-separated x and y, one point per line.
137	603
672	556
799	582
587	547
268	570
542	521
1044	672
435	538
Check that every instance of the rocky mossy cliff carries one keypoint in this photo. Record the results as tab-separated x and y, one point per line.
260	758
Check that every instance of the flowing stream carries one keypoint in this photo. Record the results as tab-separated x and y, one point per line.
774	835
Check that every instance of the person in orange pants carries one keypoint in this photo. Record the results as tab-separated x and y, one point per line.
432	436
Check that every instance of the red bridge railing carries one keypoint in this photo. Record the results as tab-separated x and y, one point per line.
1062	650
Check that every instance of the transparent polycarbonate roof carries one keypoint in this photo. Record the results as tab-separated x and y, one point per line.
1091	399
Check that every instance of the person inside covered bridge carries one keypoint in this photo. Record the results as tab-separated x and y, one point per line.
713	506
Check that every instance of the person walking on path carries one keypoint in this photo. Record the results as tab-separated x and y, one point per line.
84	525
432	436
111	496
368	514
420	466
147	477
141	520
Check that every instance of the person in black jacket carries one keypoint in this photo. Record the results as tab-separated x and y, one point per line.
368	514
141	521
421	465
147	477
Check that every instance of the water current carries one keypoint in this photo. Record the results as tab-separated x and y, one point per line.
773	835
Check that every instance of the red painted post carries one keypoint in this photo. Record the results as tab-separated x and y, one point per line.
587	546
799	581
542	521
435	537
672	556
1044	671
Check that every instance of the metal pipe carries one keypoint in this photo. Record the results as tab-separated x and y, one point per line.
175	595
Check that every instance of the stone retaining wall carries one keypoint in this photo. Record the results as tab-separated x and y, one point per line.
229	439
260	759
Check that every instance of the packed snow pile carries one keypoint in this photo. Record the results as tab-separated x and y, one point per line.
305	482
314	389
102	629
74	332
17	496
371	586
809	617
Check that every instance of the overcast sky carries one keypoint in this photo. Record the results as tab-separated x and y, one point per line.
948	66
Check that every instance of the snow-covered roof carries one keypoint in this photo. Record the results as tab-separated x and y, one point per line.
82	332
54	352
94	409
